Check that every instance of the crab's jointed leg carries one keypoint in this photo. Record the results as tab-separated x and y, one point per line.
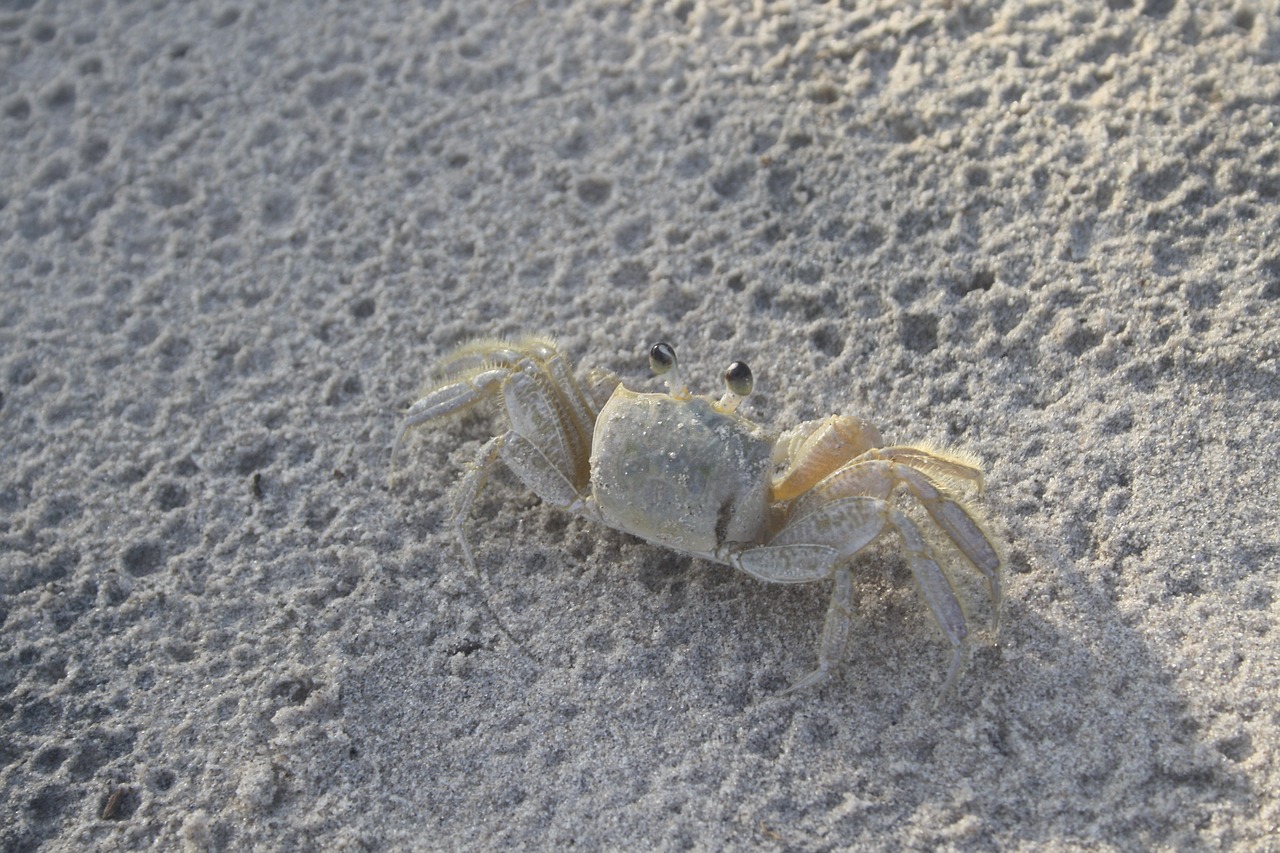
876	474
809	452
451	399
814	548
938	592
549	420
843	498
835	630
466	490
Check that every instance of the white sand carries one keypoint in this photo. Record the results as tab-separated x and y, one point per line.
234	239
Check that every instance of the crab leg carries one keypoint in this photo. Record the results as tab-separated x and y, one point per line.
578	407
464	495
537	471
844	513
960	527
841	528
548	414
846	524
484	353
466	490
956	465
815	449
835	631
797	563
451	398
877	478
533	413
937	590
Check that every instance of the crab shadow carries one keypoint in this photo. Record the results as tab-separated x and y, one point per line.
1071	728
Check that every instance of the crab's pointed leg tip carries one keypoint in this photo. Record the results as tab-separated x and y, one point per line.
953	674
811	680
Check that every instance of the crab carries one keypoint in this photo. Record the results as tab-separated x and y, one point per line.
692	474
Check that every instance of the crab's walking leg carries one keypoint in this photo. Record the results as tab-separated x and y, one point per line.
954	464
549	415
835	631
849	508
544	469
464	496
450	398
876	478
466	490
545	448
936	588
543	477
811	548
954	520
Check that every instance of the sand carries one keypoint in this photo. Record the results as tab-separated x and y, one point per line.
236	236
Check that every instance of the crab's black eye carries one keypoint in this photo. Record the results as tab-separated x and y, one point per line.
662	357
739	379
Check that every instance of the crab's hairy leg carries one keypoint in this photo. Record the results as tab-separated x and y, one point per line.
809	548
936	587
956	520
578	404
870	479
835	631
475	357
850	507
468	488
543	477
573	413
544	413
877	478
953	464
450	399
465	492
815	449
484	353
534	413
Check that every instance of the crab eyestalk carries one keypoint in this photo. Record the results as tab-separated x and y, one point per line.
662	361
738	383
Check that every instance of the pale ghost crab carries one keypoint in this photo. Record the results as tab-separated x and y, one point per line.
690	473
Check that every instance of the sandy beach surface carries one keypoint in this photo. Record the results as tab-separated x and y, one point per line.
235	236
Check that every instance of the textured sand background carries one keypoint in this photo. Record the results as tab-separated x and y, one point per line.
234	236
